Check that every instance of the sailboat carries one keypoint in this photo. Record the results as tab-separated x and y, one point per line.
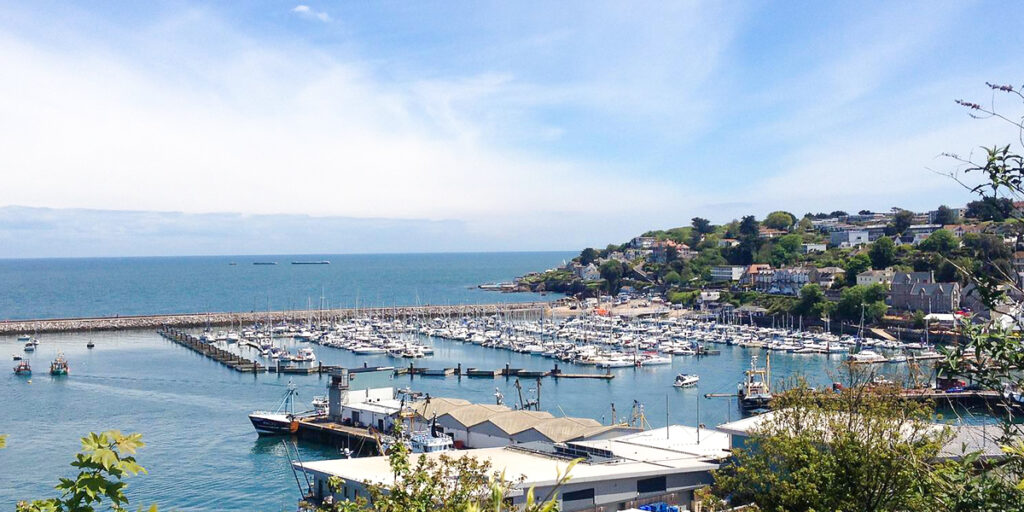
281	421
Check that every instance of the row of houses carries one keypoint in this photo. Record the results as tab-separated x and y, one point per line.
784	281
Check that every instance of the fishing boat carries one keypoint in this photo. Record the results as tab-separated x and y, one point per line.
684	380
281	421
59	366
754	392
23	368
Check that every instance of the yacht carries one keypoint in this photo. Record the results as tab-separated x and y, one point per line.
866	357
684	380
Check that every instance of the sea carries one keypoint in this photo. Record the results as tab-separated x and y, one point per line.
201	452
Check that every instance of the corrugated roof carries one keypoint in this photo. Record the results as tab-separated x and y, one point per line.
512	422
427	409
559	430
469	415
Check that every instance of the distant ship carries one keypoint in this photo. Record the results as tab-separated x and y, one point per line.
321	262
264	263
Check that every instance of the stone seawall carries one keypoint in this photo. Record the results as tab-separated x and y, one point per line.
245	319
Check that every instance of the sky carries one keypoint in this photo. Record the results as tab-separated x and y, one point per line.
163	128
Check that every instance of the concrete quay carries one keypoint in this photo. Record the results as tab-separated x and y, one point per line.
8	327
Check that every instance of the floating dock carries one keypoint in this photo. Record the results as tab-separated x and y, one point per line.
229	359
507	371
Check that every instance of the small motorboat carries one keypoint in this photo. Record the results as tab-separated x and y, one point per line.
29	347
24	338
59	366
16	357
90	344
23	368
684	380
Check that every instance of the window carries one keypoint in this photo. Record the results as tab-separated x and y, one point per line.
585	494
656	484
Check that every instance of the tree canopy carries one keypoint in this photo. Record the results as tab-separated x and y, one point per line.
779	220
882	253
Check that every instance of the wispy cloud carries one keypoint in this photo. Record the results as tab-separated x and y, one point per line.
307	12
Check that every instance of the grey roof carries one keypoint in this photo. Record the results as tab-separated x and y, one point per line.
911	277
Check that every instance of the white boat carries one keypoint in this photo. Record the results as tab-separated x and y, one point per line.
304	354
866	357
684	380
367	349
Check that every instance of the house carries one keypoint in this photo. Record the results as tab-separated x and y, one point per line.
590	273
728	242
727	272
922	229
616	473
957	214
635	254
642	242
850	237
811	248
768	233
870	277
913	291
959	230
662	249
1018	261
750	276
786	281
825	277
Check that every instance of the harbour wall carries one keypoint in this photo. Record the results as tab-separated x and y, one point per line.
8	327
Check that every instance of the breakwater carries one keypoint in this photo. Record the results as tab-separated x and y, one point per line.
242	319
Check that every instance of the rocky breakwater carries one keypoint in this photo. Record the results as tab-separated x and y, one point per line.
242	319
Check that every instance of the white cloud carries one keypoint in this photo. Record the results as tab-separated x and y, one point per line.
308	13
255	128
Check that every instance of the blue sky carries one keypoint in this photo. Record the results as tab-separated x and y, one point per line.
519	125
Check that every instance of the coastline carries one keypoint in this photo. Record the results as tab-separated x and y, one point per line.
9	327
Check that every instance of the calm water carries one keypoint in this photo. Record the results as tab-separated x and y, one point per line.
202	453
86	287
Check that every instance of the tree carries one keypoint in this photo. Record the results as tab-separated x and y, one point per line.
856	265
869	299
838	213
944	215
812	302
995	209
701	225
863	448
865	212
104	461
779	220
611	272
672	277
587	256
901	220
882	253
942	242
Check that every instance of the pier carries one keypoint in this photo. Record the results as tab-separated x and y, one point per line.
487	373
113	323
229	359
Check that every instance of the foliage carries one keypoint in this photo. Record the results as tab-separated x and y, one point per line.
901	220
882	253
812	302
105	460
919	319
856	265
779	220
612	272
990	208
869	299
587	256
3	440
942	242
860	449
447	483
944	215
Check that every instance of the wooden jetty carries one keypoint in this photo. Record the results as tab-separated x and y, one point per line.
507	371
319	429
229	359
